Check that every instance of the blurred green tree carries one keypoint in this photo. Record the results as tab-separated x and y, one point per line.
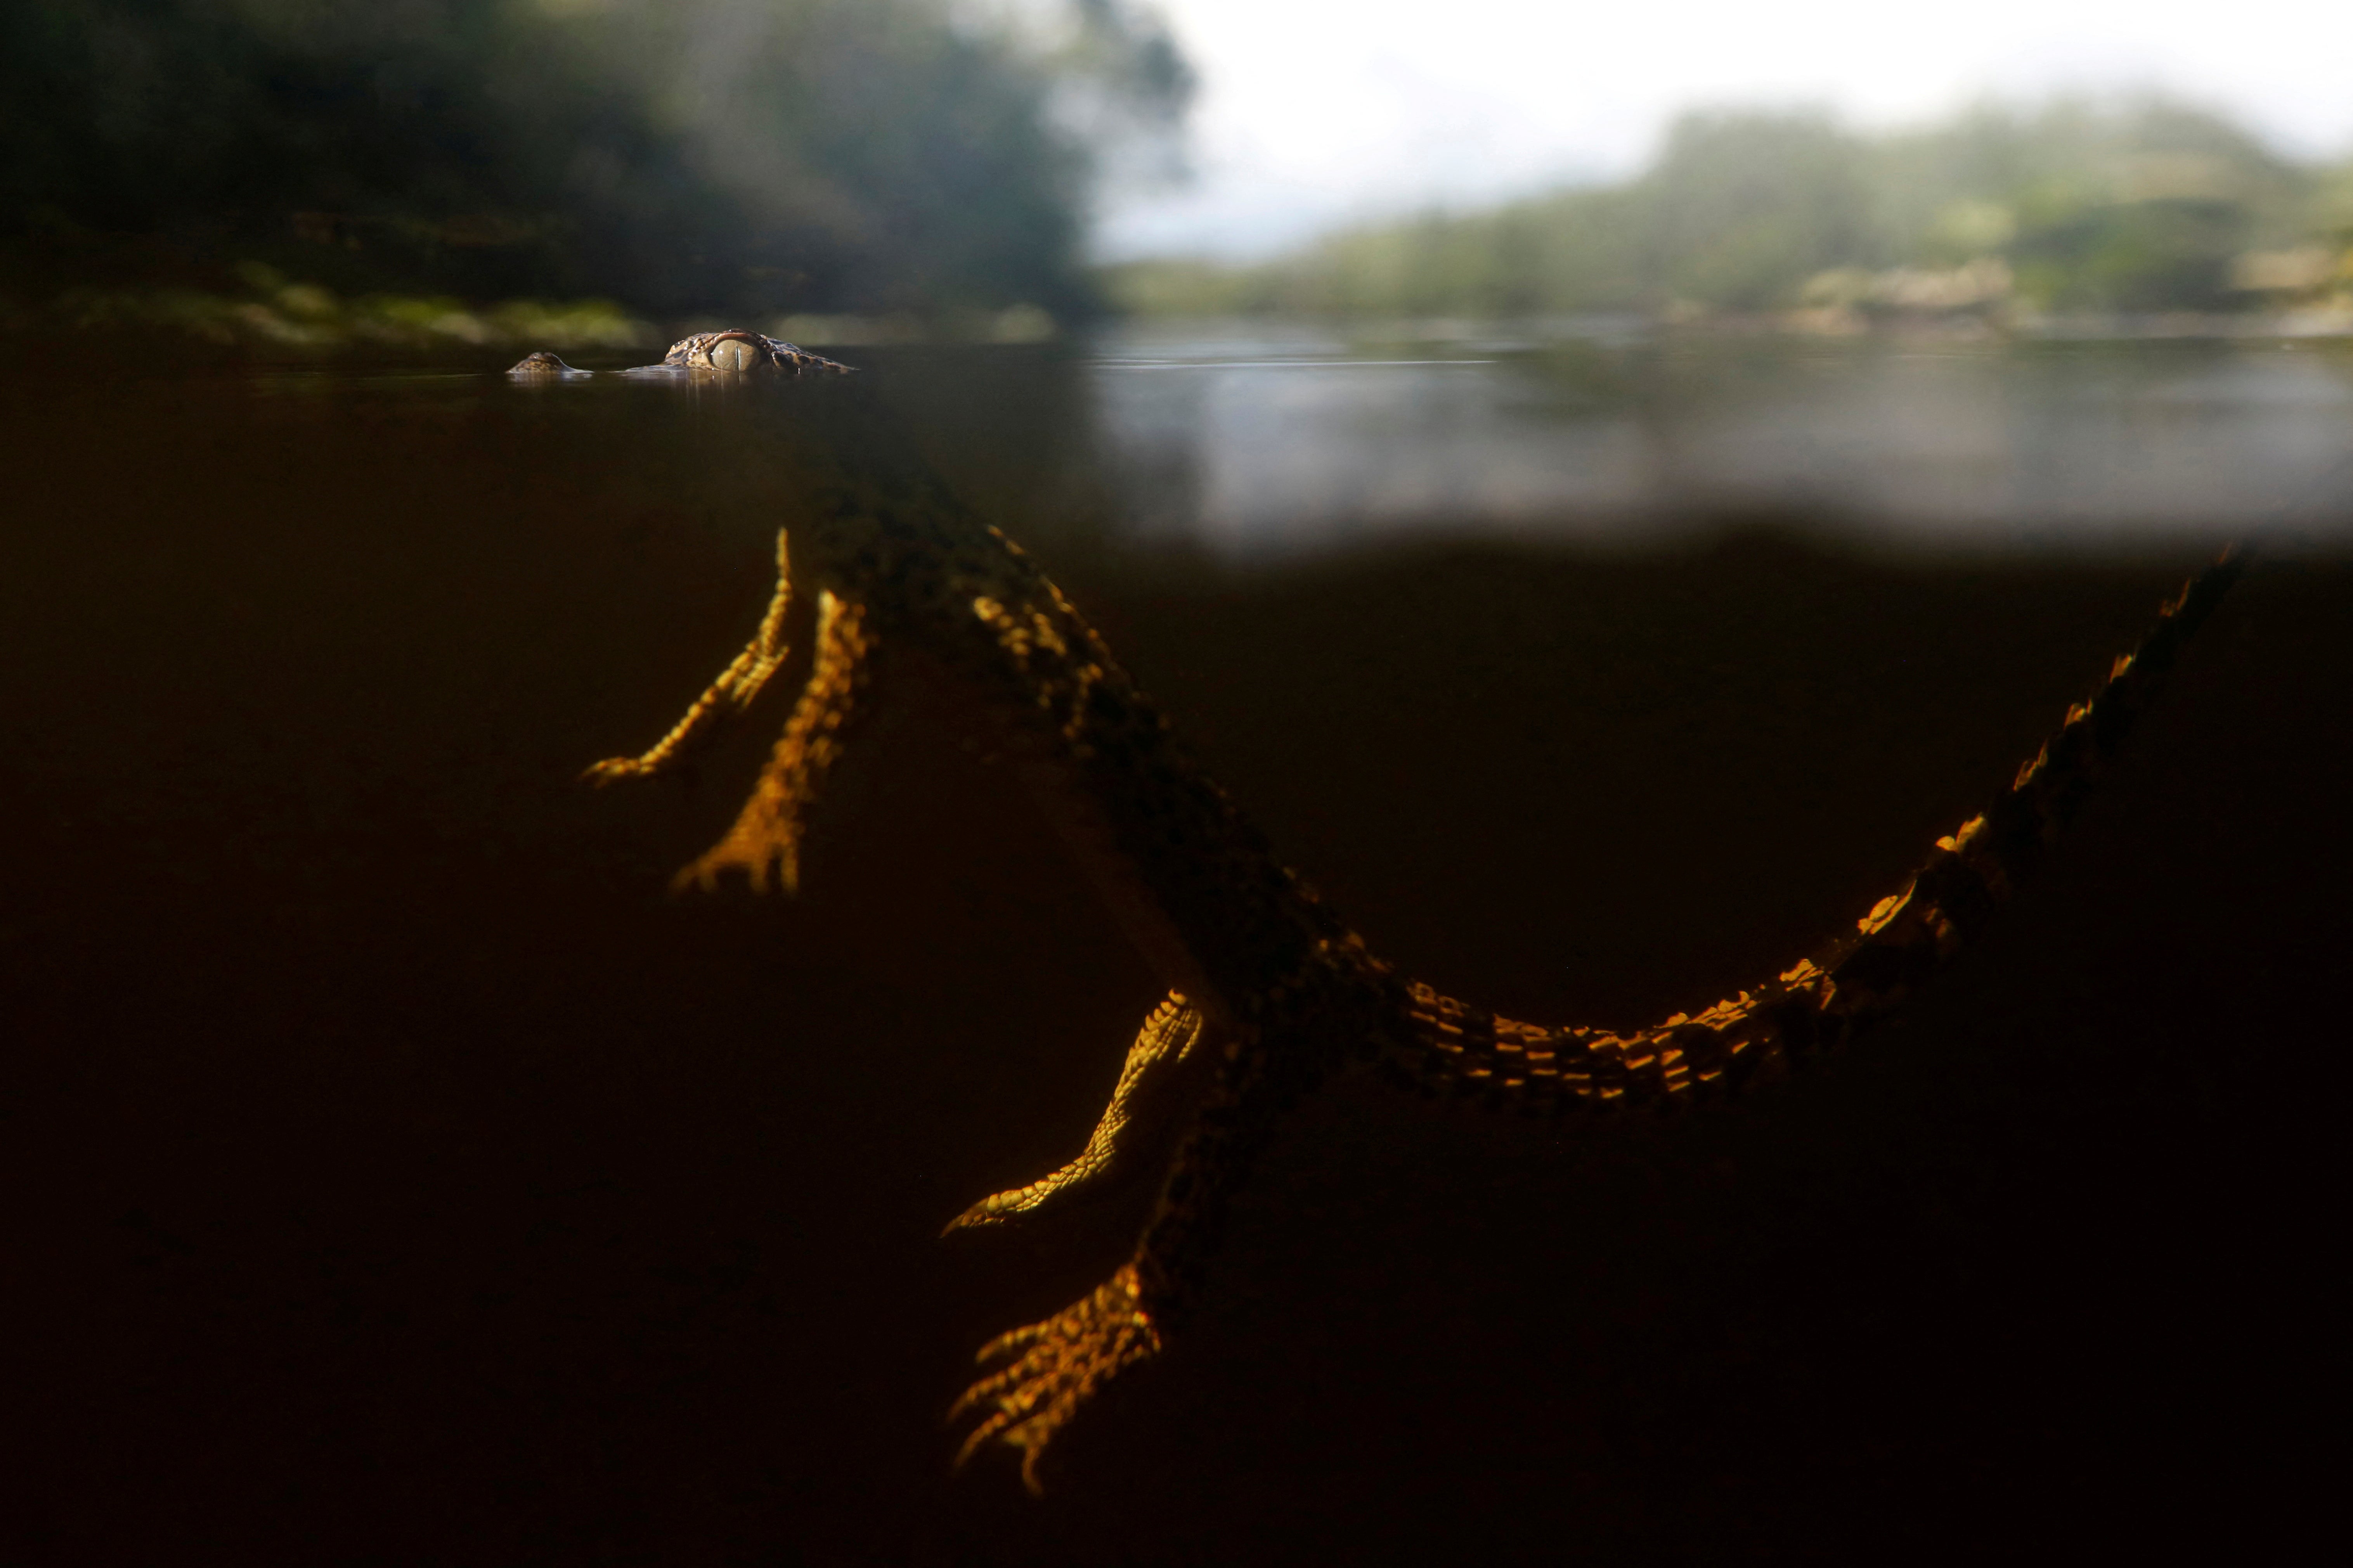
1741	209
682	155
2117	205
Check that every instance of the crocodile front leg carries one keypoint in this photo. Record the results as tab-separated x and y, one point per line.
767	833
725	699
1170	1039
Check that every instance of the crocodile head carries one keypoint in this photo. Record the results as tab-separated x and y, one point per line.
541	362
733	352
737	351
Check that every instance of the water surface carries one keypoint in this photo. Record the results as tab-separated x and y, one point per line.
1260	442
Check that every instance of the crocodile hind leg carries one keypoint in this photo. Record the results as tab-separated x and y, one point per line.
725	699
767	833
1169	1037
1036	1379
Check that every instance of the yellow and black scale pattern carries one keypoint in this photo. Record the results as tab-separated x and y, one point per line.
1269	991
1906	939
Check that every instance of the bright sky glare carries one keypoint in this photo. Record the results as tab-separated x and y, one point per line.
1316	111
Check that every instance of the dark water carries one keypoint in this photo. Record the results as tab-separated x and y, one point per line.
398	1173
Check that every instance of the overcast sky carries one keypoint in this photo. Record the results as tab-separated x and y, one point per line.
1315	112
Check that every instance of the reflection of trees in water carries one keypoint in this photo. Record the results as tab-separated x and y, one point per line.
1156	459
1986	441
1020	436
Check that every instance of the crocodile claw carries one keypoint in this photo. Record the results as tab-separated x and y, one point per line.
1054	1367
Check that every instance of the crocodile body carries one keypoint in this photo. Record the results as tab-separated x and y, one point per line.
1270	991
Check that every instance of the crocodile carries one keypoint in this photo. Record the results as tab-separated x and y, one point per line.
731	353
1269	991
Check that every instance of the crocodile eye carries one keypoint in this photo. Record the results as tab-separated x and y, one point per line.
734	353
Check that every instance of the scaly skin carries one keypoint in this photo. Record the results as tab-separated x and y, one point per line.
732	353
1269	992
736	351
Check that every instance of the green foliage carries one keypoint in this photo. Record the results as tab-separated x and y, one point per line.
1742	206
744	155
272	311
2084	206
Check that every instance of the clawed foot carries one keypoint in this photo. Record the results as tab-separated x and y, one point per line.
1053	1368
768	848
613	770
726	698
765	841
766	837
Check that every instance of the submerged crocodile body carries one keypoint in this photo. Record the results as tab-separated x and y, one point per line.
1269	991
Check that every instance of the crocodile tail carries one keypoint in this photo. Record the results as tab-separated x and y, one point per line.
1907	938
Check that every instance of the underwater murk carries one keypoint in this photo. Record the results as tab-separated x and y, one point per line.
404	1170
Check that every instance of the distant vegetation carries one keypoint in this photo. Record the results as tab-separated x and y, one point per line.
196	159
310	170
2076	207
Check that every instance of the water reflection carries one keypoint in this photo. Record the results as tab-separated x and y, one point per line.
1990	442
1272	444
